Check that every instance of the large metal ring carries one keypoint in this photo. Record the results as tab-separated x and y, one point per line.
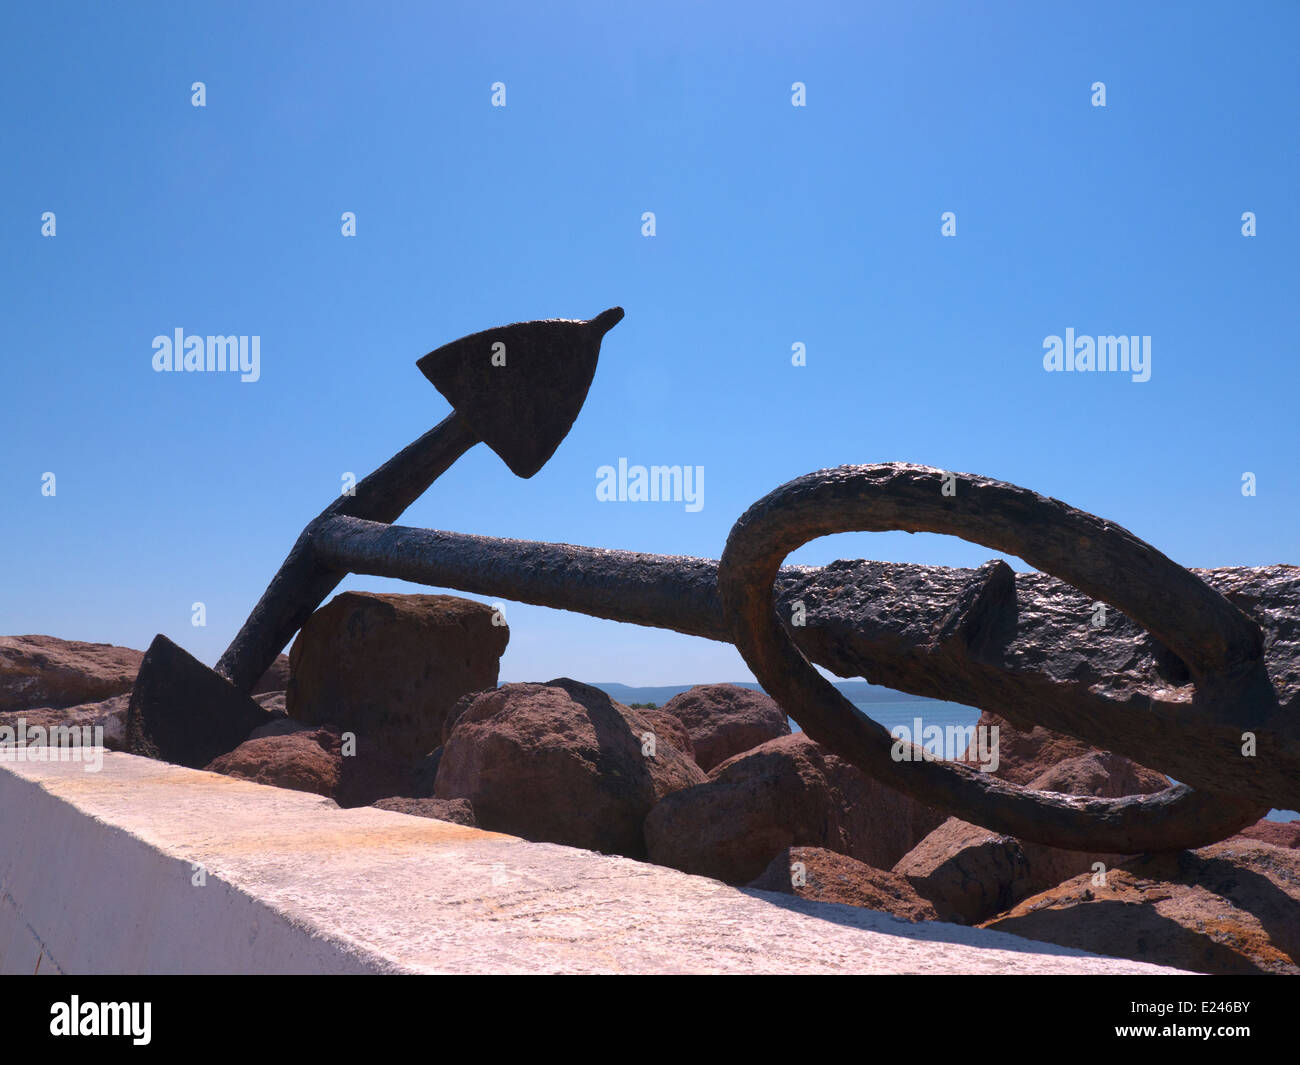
1219	644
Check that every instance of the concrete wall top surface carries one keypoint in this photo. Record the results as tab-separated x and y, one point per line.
150	867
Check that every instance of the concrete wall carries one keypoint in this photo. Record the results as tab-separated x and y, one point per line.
97	876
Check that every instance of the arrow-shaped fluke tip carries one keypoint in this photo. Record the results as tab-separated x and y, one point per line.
606	320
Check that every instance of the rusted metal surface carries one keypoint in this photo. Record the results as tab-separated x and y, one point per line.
1193	672
517	388
1020	645
522	386
1228	693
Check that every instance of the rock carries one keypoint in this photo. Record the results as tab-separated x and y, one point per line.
667	728
272	701
110	715
275	679
831	877
462	704
539	763
724	720
967	872
971	874
301	761
457	811
390	667
44	671
1279	833
324	759
424	775
671	769
1098	773
183	712
48	673
281	724
1228	908
373	771
1022	755
786	792
1101	774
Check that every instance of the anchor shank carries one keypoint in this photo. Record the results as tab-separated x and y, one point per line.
303	582
663	591
1022	647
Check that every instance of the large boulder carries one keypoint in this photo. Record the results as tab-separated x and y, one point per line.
390	667
43	671
666	729
1101	774
663	739
110	715
275	679
306	760
786	792
970	873
824	876
1278	833
1228	908
550	765
351	769
725	720
967	872
1024	755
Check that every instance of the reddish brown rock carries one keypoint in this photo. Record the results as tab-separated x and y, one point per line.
1022	756
424	774
971	874
671	769
390	667
275	679
967	872
1233	907
280	725
371	771
725	720
786	792
110	715
457	811
824	876
301	761
459	707
272	701
68	674
351	769
536	761
667	728
1278	833
1101	774
44	671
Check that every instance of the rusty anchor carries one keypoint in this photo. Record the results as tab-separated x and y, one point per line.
1193	665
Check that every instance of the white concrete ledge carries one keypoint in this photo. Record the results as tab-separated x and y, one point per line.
97	875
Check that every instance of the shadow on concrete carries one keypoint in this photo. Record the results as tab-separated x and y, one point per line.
923	931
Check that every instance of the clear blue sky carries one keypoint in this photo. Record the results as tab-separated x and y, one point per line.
775	224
